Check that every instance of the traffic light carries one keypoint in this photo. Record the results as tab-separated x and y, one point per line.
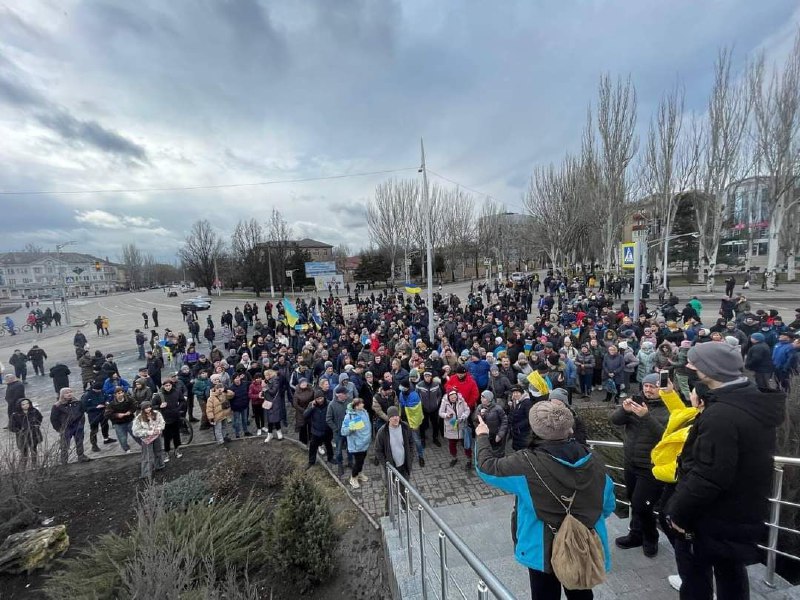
97	265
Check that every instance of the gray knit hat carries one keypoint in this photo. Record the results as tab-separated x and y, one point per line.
551	420
559	394
720	362
651	378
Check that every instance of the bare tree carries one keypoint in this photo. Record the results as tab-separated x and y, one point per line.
459	236
248	254
340	254
721	159
555	202
33	248
668	165
617	144
389	217
776	124
200	249
133	260
280	246
490	242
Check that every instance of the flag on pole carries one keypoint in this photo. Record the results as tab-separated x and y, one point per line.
316	316
412	289
291	313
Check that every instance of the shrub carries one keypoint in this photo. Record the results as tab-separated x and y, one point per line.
225	476
228	535
185	490
276	467
302	533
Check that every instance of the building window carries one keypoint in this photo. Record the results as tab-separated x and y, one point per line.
37	270
11	271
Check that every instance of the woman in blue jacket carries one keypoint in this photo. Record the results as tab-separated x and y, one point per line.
356	426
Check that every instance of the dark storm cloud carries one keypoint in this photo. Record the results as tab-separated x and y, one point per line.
83	133
221	91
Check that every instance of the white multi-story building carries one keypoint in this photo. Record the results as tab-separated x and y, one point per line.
47	274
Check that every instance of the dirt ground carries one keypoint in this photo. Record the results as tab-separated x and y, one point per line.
99	497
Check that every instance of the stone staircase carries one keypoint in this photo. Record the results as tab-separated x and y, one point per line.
484	526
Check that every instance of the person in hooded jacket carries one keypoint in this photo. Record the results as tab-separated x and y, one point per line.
272	399
454	413
303	397
553	466
59	373
67	417
26	425
721	500
121	410
643	419
518	408
358	430
316	416
759	361
169	401
430	392
337	409
240	403
495	418
94	401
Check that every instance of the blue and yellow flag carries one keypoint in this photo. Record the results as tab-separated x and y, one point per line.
412	289
291	313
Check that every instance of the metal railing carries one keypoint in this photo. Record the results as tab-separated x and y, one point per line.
400	494
775	500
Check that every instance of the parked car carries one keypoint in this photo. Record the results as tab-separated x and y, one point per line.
172	294
194	303
203	298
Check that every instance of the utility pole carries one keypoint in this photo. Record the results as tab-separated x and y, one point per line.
269	262
637	277
62	274
216	278
427	205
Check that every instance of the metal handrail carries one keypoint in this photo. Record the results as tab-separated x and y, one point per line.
775	511
487	581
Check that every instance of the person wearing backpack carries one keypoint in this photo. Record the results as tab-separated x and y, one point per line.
563	497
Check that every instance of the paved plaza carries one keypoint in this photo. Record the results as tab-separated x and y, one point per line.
440	483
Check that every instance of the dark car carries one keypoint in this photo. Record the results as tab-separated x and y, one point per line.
172	294
195	304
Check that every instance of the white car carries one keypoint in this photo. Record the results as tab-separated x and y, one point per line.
203	299
518	277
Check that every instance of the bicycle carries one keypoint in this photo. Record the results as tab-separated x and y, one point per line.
5	330
186	431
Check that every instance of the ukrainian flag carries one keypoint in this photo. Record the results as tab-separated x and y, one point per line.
412	289
291	313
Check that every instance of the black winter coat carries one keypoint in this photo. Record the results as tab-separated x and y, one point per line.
725	471
519	424
641	433
175	405
759	358
60	374
316	417
383	448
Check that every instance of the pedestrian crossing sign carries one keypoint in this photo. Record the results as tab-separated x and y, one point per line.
627	254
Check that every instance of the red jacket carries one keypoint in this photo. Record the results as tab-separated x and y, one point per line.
466	387
254	393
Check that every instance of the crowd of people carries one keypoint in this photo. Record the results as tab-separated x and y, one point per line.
493	379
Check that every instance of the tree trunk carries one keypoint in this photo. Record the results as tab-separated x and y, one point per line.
775	224
790	266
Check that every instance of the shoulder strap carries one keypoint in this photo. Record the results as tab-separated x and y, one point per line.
560	499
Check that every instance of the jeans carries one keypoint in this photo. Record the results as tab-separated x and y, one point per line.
698	574
644	492
240	422
141	352
418	442
21	372
152	458
75	434
431	420
93	427
546	586
586	382
340	444
123	431
314	444
220	431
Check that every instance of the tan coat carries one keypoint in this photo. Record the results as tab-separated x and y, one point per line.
214	410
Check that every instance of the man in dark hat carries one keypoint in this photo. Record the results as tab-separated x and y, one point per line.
721	499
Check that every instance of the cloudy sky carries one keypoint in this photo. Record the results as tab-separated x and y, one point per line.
116	95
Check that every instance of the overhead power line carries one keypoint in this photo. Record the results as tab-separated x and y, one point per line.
201	187
466	187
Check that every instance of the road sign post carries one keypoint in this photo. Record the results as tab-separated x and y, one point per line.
637	279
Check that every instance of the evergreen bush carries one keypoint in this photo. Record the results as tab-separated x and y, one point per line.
302	533
185	490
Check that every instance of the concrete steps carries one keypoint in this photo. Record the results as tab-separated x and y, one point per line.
485	527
